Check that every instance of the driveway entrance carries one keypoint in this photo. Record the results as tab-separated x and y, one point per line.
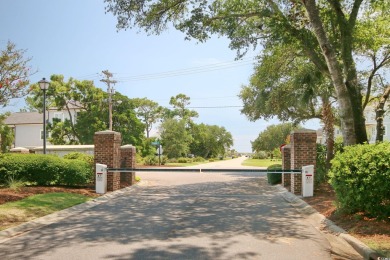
180	216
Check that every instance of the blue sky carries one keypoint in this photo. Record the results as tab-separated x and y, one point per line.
77	39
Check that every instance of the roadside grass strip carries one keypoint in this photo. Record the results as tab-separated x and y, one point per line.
261	162
17	212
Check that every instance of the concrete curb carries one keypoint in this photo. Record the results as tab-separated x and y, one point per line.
52	218
327	225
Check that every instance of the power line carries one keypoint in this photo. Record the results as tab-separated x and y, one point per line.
179	72
187	71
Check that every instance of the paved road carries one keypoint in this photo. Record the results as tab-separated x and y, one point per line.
180	216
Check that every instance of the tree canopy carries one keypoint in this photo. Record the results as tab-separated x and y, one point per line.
149	112
181	136
323	31
92	114
14	74
272	137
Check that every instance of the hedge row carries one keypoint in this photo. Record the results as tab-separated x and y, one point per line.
360	177
44	170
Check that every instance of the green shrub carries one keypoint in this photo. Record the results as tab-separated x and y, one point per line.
80	156
184	160
45	170
360	177
260	155
172	160
164	160
274	178
198	159
139	159
75	172
151	160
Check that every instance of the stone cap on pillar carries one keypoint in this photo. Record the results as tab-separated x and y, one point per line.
303	130
127	146
105	132
287	146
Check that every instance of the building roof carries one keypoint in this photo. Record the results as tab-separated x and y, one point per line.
24	118
76	105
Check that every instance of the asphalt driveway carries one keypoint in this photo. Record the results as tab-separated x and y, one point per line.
180	216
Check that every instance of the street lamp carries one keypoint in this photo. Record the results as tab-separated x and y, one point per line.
44	85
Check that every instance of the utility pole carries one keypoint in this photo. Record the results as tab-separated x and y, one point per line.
110	91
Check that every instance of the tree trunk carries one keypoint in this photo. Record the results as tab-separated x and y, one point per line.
328	118
351	116
380	112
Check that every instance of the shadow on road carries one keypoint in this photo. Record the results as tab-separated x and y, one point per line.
164	223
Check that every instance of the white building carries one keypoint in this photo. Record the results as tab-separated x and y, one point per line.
28	126
370	115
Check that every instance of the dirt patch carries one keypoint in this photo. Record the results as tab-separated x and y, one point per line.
374	233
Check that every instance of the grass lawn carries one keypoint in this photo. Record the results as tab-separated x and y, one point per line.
261	162
14	213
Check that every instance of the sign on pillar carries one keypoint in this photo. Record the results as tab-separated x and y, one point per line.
307	180
101	178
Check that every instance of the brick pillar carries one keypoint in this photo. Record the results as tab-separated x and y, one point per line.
303	152
107	144
286	165
128	160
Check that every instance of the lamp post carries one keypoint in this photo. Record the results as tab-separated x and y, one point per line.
44	85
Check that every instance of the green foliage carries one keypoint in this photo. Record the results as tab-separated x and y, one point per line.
198	159
295	51
184	160
321	171
80	156
92	115
14	74
180	110
42	204
272	137
151	160
139	159
276	153
164	160
146	148
360	177
209	140
175	138
45	169
149	112
260	155
274	178
6	134
14	183
282	80
172	160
